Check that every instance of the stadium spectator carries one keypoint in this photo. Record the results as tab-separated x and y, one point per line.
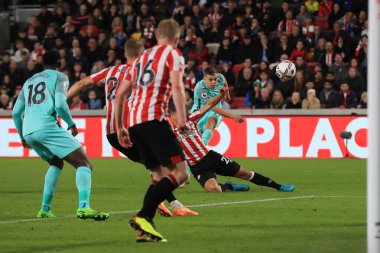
16	74
190	80
283	47
311	101
225	51
89	29
355	81
277	100
288	24
304	90
200	52
244	83
312	6
317	35
245	50
318	81
325	7
228	73
254	28
283	11
339	68
93	102
327	58
361	50
77	103
347	98
342	48
129	18
34	29
197	13
258	99
20	48
59	15
263	81
299	51
363	101
301	65
336	14
5	102
299	80
308	30
49	37
38	50
294	102
263	67
301	15
263	50
328	97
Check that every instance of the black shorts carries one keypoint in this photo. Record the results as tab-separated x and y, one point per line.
214	164
156	144
132	153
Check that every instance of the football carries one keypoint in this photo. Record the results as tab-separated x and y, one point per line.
285	70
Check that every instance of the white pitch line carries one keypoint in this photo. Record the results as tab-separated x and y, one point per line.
195	205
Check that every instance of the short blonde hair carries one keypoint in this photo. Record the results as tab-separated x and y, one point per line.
133	48
168	29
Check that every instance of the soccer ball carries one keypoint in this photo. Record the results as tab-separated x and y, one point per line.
285	70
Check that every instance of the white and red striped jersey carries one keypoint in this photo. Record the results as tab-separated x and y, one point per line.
151	85
191	143
111	79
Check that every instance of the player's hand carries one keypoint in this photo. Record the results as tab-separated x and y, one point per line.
238	119
183	128
223	91
74	130
123	138
25	145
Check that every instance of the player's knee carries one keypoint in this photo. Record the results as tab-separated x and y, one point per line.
85	163
211	186
55	161
243	174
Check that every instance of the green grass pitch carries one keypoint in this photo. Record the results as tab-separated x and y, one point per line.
329	215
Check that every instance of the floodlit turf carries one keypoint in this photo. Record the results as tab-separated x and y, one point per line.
276	222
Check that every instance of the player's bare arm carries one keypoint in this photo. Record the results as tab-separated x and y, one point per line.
178	92
79	86
122	133
235	117
214	101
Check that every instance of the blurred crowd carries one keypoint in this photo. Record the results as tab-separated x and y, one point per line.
245	39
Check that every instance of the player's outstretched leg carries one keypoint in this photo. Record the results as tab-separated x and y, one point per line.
211	185
208	132
78	159
51	179
261	180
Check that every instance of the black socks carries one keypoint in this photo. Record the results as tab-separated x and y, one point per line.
264	181
155	195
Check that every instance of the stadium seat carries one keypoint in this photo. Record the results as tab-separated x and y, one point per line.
238	103
236	69
213	48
